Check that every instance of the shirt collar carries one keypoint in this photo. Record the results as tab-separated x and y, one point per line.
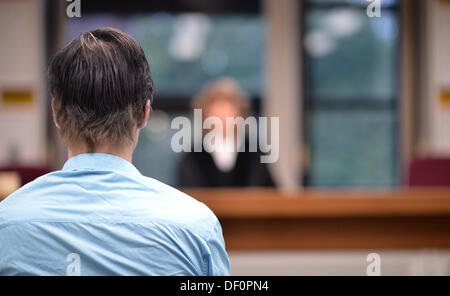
99	162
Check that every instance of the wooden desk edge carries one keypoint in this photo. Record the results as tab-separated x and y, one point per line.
266	203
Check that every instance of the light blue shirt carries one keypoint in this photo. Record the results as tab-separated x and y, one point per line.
100	216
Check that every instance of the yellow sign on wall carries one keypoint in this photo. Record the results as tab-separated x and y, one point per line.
445	98
14	97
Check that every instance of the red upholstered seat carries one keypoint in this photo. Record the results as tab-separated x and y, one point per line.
27	174
429	172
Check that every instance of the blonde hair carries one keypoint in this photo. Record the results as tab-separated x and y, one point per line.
223	89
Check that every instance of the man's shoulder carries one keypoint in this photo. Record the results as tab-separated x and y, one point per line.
22	202
27	190
181	209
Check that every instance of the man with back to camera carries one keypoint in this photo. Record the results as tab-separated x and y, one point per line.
99	215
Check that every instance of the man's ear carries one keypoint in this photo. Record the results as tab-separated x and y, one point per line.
54	113
146	115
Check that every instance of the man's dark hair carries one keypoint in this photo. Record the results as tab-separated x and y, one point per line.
100	83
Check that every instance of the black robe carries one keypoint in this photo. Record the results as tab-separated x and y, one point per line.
198	169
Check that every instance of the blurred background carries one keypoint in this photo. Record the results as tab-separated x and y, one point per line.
363	102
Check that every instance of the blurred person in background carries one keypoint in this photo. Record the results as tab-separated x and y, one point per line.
224	166
99	215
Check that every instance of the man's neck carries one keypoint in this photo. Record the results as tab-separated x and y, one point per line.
125	153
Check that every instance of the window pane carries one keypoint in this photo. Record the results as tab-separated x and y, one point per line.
351	63
351	56
352	148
